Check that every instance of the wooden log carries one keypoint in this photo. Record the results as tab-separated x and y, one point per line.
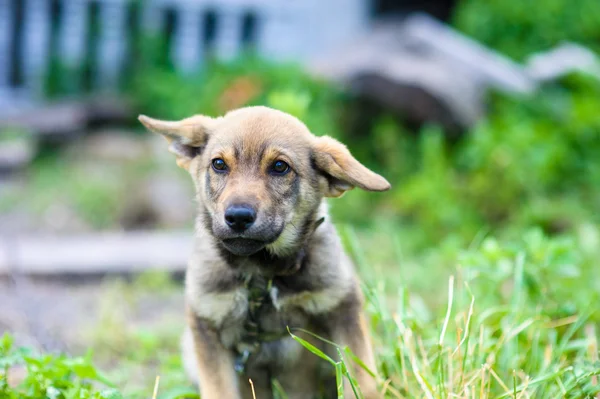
64	120
52	121
417	58
92	254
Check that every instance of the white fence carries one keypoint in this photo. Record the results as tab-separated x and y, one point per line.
30	30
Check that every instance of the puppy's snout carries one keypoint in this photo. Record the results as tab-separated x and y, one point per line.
240	217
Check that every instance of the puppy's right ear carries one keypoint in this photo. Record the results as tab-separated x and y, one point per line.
342	170
186	137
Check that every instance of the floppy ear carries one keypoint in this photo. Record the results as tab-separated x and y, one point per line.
186	137
342	170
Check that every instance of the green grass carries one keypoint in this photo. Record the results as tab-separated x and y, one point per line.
509	318
519	320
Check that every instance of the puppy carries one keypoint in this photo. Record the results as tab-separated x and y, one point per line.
266	257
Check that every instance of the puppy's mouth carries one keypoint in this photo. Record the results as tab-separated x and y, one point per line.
243	246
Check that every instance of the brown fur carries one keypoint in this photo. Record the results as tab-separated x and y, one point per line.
314	286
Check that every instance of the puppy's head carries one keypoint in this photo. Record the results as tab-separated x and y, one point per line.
260	175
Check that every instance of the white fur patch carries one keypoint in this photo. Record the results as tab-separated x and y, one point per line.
274	294
218	307
313	302
190	363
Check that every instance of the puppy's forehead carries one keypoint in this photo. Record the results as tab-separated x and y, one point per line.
256	127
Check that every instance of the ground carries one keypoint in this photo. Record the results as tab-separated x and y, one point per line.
133	327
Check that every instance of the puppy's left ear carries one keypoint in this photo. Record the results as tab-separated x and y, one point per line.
342	170
186	137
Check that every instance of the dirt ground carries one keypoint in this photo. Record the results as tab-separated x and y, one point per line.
66	316
132	326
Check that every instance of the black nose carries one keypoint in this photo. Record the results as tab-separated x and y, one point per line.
240	217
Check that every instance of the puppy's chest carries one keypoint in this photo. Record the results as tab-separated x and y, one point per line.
262	312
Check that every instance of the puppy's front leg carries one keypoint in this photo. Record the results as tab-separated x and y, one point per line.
350	329
216	374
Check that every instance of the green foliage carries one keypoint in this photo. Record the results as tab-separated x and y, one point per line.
66	183
136	349
532	161
521	27
534	269
220	87
91	193
14	135
519	320
51	376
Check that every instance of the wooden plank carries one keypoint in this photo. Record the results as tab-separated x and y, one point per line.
112	252
469	55
64	120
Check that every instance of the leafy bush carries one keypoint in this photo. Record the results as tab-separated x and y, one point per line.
51	376
531	162
519	28
220	87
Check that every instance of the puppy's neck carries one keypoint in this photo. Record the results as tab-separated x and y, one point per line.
265	263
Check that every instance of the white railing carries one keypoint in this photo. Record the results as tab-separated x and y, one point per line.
292	30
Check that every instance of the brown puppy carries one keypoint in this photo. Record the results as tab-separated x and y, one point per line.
266	256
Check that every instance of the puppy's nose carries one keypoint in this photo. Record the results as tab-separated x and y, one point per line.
240	217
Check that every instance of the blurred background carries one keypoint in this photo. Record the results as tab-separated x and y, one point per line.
484	116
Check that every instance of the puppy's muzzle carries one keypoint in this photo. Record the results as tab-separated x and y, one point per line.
240	218
243	231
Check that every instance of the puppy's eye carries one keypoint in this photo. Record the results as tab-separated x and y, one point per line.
280	168
219	165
